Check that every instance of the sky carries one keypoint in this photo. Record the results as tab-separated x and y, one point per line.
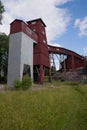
66	20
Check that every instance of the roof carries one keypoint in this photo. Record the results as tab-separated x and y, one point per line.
17	20
39	19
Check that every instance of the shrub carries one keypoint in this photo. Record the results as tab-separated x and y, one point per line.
24	84
17	84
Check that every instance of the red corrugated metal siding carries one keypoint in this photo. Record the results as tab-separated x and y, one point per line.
41	55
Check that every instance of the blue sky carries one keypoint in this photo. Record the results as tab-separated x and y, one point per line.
70	39
66	20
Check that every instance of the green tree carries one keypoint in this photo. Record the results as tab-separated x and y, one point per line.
1	11
4	40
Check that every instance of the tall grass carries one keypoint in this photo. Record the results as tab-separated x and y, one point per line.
62	108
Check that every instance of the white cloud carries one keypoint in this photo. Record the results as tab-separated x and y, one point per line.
85	50
56	19
55	44
81	24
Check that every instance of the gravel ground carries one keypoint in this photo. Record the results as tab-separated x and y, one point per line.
2	87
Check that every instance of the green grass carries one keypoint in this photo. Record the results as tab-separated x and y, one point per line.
60	108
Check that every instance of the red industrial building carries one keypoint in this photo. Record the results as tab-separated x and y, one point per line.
41	54
35	30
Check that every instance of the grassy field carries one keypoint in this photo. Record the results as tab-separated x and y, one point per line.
59	107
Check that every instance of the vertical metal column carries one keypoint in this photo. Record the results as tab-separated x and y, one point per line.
41	74
73	63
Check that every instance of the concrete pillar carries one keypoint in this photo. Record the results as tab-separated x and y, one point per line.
31	69
20	53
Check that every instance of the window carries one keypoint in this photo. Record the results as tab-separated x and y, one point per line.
26	70
34	22
43	32
34	30
42	24
28	30
44	41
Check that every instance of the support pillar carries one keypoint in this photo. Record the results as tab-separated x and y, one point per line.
41	74
64	66
73	63
50	78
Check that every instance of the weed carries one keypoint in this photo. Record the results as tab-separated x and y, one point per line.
24	84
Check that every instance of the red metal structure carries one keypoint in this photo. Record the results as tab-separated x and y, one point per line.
20	26
35	29
41	54
73	60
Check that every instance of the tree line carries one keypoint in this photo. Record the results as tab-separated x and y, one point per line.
4	41
2	10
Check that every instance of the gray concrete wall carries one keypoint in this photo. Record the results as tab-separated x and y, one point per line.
14	57
26	53
20	53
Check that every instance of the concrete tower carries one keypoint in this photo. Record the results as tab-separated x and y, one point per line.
22	40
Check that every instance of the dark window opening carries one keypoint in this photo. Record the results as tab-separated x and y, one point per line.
26	70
